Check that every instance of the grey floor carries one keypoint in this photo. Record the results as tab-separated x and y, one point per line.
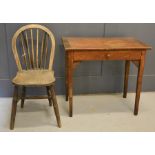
104	112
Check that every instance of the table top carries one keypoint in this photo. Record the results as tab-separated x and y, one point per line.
110	43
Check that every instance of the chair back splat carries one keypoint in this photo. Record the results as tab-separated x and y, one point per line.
33	47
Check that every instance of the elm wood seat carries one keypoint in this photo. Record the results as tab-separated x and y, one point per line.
34	77
33	48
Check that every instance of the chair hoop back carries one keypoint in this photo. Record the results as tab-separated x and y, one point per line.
33	47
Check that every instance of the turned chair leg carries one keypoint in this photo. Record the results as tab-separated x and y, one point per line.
55	106
14	107
23	96
49	95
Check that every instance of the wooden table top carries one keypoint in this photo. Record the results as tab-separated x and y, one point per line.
111	43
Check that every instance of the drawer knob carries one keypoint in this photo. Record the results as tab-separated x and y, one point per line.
108	55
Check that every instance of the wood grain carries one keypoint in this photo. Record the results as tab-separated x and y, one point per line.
104	55
71	43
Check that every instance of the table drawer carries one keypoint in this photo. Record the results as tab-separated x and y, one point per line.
99	55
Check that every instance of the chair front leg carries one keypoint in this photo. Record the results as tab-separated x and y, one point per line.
14	107
55	106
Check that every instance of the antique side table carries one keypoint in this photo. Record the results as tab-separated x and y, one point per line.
85	49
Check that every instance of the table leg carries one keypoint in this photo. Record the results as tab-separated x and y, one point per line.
127	69
66	79
70	82
139	82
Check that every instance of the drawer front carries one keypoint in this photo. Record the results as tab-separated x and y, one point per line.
99	55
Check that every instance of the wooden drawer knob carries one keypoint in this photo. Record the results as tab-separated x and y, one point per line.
108	55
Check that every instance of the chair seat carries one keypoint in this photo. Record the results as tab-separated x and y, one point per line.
34	77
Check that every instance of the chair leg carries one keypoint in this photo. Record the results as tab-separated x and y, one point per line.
23	96
49	95
14	107
55	106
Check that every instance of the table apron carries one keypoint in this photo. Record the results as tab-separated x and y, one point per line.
106	55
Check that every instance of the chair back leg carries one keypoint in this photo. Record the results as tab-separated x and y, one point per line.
49	95
23	96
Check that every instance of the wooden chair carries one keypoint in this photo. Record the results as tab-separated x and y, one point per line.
33	48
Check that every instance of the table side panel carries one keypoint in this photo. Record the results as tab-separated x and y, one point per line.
110	55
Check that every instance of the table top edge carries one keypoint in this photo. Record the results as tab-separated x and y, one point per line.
68	47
